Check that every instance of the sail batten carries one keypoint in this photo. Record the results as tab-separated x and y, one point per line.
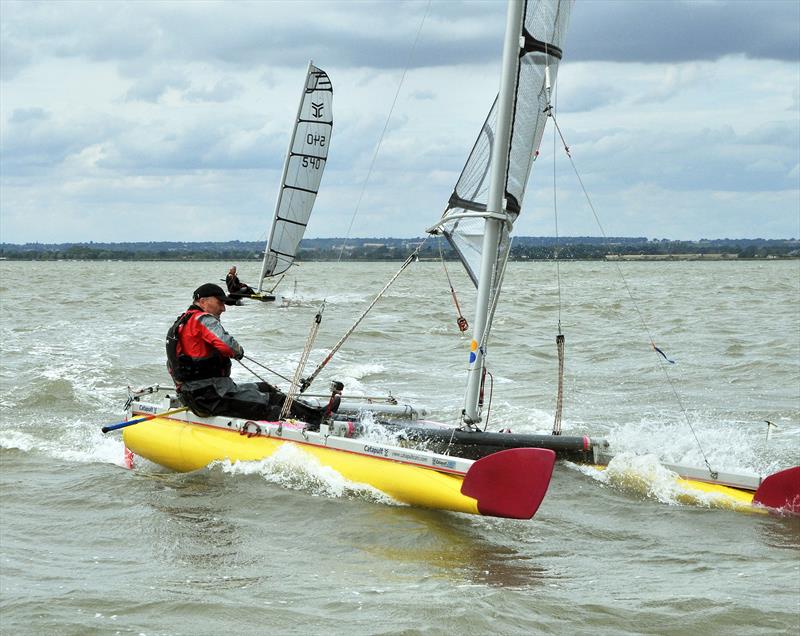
302	173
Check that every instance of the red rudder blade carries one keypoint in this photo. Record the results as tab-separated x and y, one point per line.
781	491
128	458
510	483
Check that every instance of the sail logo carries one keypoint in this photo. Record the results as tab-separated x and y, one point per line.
317	110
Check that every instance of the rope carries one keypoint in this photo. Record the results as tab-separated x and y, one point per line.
297	383
412	257
645	327
463	325
560	395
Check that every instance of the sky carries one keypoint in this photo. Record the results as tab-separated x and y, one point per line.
169	121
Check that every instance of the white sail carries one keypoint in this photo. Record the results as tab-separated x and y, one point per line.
544	26
302	173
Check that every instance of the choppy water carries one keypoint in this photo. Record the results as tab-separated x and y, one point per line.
281	547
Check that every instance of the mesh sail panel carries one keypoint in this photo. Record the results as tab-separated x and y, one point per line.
308	153
544	26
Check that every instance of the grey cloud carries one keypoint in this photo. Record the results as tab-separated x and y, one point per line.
33	31
205	145
362	34
222	91
423	95
380	34
586	97
151	87
647	31
23	115
14	57
707	159
34	140
774	133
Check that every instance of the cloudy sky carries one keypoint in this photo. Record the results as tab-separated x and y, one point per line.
146	120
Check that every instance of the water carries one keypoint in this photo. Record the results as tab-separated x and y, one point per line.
281	547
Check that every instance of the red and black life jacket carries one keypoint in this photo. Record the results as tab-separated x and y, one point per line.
186	368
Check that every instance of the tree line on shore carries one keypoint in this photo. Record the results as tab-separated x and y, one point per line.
389	249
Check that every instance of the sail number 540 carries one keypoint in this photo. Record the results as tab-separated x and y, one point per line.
315	140
312	162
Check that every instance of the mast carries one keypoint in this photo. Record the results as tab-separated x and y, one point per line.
495	203
283	179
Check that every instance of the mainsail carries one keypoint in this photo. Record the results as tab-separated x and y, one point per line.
545	23
302	173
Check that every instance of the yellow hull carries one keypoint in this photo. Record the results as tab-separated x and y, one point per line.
184	447
724	496
697	492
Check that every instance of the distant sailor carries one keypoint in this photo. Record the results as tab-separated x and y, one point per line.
237	288
199	353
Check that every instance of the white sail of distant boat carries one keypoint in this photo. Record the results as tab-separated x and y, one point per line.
488	196
302	174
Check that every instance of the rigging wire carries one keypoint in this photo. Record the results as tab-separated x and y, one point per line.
645	326
385	127
555	213
412	257
263	366
251	371
303	384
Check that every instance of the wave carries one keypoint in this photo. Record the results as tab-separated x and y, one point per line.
292	468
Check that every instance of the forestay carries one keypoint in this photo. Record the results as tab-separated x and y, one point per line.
302	173
544	26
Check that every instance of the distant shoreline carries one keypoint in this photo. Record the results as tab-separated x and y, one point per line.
370	250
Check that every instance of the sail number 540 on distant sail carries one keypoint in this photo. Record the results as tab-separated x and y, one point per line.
312	162
315	140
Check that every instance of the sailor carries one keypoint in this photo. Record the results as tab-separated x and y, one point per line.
235	286
199	353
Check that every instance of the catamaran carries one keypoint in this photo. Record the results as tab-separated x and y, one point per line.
510	483
461	469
